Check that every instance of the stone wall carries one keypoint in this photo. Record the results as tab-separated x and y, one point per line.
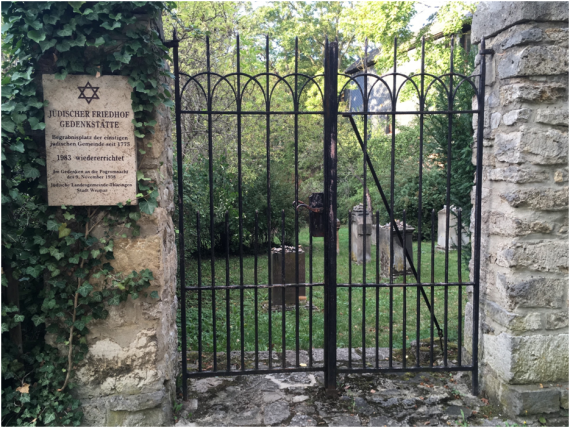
129	375
524	253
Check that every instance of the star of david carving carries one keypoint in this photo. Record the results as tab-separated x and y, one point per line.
94	90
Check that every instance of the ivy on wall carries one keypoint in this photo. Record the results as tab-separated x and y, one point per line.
56	276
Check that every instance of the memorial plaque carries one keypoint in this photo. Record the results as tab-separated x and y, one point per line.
90	141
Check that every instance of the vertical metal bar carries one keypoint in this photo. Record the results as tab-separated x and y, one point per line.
182	252
420	204
228	314
377	288
459	288
392	225
364	203
432	313
404	291
268	169
255	291
240	203
199	248
283	307
350	289
477	243
296	108
310	294
448	202
211	187
330	188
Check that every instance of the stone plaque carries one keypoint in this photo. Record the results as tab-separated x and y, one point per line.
90	142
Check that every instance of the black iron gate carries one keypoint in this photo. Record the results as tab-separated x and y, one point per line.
225	309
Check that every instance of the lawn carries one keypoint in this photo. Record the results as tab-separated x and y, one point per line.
355	312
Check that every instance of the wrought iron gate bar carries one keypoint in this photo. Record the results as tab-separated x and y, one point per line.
406	369
320	284
401	284
296	84
208	373
348	113
260	286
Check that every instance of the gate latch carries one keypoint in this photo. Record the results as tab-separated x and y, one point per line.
316	208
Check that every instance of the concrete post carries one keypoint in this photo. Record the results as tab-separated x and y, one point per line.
524	269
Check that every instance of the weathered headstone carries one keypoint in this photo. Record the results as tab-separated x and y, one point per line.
453	229
398	266
90	143
359	250
290	275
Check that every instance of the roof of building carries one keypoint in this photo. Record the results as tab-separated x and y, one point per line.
358	65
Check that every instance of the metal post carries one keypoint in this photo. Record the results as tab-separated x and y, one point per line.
477	249
330	161
180	214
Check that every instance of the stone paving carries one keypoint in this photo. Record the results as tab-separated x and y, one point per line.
376	400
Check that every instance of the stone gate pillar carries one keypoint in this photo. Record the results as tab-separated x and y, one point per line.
129	375
524	253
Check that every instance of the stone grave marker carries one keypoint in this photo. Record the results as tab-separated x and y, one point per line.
277	270
398	250
358	228
452	229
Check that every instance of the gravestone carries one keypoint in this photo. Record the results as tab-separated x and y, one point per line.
290	275
398	266
453	229
90	143
359	227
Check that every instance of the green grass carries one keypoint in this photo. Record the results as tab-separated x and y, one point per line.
362	306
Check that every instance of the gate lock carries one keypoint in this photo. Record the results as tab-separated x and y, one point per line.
316	208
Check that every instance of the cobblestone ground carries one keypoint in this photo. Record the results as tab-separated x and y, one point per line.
377	400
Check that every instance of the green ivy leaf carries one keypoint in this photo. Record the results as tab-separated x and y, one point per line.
111	26
99	41
17	147
114	301
36	35
47	44
79	325
61	75
49	417
148	206
64	46
38	319
36	124
52	225
124	57
63	230
8	125
30	171
154	294
85	289
76	5
66	31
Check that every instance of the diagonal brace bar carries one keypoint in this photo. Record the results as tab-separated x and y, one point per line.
393	221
